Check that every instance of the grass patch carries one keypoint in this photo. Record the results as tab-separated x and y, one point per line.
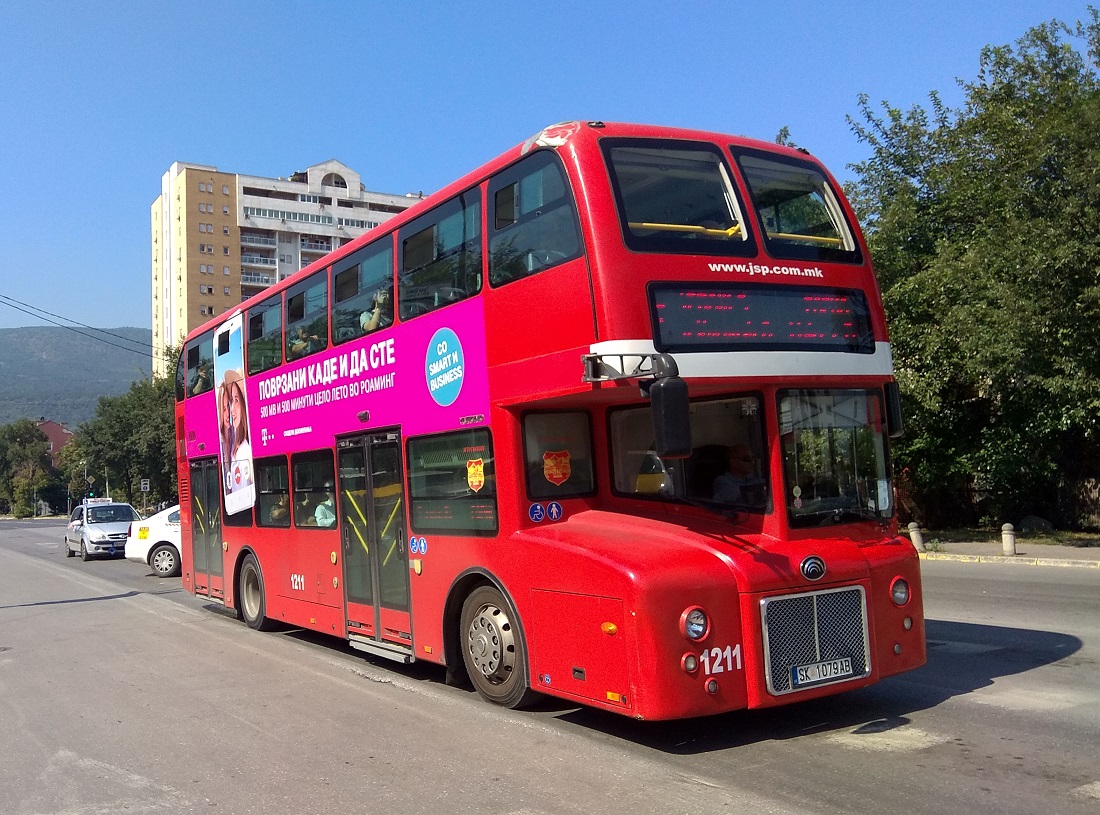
939	537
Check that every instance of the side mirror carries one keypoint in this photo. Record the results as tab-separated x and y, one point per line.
894	424
668	398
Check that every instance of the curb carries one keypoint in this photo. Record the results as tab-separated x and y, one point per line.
1019	560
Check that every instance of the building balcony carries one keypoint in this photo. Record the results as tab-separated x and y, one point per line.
257	240
314	246
253	279
258	260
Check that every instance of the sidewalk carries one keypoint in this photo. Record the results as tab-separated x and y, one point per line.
1029	554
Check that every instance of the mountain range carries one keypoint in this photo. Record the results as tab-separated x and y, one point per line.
61	373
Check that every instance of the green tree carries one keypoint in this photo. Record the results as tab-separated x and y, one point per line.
131	437
984	224
24	466
71	461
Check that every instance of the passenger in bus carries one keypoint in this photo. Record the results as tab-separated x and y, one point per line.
280	512
202	381
325	513
734	485
302	343
379	315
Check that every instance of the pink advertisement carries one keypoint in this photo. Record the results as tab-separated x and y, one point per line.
427	375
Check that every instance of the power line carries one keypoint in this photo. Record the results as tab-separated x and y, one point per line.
36	312
70	320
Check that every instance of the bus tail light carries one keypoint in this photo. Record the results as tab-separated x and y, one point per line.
899	591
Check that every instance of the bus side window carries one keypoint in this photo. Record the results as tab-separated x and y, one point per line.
200	364
273	492
558	455
533	219
441	256
362	292
314	484
452	483
307	317
265	332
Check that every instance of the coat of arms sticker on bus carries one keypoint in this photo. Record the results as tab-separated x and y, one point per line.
475	474
555	466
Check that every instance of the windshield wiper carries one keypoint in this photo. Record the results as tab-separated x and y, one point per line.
840	514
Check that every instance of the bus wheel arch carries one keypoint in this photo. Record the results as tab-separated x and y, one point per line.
488	642
251	600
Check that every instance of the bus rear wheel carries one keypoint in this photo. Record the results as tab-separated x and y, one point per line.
493	650
250	595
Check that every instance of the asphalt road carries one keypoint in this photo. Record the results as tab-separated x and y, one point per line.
119	692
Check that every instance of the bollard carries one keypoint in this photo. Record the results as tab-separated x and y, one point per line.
1008	540
916	536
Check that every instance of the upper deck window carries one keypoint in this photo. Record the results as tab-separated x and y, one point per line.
265	333
363	292
676	197
533	220
441	256
200	364
798	211
307	317
181	377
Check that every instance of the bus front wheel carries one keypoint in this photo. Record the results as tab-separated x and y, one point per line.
250	595
493	650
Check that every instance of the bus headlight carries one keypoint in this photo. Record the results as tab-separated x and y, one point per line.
899	591
694	623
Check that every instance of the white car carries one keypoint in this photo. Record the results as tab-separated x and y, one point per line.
156	542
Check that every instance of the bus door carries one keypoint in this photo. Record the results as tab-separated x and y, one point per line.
206	528
376	561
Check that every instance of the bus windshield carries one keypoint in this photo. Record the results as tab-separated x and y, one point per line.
676	197
799	215
727	469
834	456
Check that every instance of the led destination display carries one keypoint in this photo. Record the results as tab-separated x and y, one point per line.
760	317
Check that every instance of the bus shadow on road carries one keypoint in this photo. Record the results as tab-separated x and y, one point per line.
962	658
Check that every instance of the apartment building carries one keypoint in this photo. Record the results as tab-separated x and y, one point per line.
218	237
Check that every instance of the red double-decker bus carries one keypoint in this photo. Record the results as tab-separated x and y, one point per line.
606	419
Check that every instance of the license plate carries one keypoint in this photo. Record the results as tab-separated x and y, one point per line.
821	671
143	533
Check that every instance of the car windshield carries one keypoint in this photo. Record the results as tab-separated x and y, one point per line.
726	472
834	456
112	514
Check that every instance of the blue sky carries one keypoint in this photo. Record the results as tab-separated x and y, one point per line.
98	99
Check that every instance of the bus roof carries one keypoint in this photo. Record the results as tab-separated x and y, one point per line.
554	136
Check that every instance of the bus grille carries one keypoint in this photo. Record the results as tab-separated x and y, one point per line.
804	629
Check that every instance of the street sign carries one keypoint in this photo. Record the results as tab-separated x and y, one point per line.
145	485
